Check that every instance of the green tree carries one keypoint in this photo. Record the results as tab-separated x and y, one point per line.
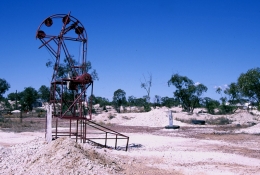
4	86
157	100
28	97
131	100
65	68
100	100
225	107
119	99
139	102
210	104
234	94
12	96
169	102
249	84
44	93
187	92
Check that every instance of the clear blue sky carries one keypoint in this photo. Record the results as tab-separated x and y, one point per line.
210	41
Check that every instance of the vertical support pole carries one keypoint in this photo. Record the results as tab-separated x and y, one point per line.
56	134
81	130
16	100
116	142
21	116
127	144
77	130
170	118
49	122
70	128
53	101
61	110
106	140
90	103
46	124
85	130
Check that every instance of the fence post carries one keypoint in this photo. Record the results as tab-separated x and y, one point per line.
170	118
49	122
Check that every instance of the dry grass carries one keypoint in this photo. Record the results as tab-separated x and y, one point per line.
219	121
22	124
189	121
211	121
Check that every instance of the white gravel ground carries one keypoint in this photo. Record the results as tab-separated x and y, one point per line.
28	153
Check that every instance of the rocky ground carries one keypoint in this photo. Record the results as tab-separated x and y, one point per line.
193	149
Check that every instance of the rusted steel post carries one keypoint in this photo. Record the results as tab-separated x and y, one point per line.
85	123
81	131
61	98
70	128
106	140
77	130
116	142
127	144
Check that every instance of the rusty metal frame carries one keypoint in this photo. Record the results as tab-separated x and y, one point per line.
98	132
73	113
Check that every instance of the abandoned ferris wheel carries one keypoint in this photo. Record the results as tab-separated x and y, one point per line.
78	79
70	83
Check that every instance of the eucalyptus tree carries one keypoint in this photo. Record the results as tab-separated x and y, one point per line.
44	93
28	97
119	99
4	86
187	92
249	84
147	84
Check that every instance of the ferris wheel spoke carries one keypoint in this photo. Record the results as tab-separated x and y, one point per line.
46	42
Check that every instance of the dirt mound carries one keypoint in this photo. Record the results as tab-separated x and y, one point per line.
62	156
250	130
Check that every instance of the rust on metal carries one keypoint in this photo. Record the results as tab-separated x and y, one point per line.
48	22
72	110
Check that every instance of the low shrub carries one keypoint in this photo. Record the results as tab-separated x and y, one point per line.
219	121
147	107
189	121
111	117
126	118
226	109
93	111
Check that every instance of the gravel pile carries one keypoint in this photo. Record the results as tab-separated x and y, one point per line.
62	156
